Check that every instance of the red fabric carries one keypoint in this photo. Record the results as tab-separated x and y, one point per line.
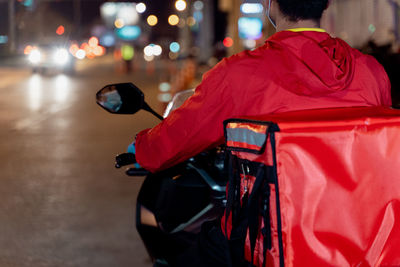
291	71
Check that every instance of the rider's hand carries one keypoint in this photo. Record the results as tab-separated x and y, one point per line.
132	149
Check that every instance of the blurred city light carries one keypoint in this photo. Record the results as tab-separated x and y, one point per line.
371	28
93	41
198	5
108	9
148	51
251	8
119	23
174	47
35	56
164	97
173	20
60	30
191	21
141	8
148	58
157	50
164	87
27	3
3	39
108	39
73	49
99	51
127	52
228	42
250	28
152	20
173	55
28	49
80	54
152	50
129	33
249	44
180	5
124	11
127	12
91	50
198	15
61	56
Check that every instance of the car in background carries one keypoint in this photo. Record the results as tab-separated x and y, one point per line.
51	58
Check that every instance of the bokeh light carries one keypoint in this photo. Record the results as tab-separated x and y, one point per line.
119	23
191	21
152	20
157	50
174	47
164	87
182	23
140	8
28	49
152	50
93	41
173	20
148	58
228	42
148	51
173	55
60	30
80	54
250	44
198	5
127	52
164	97
180	5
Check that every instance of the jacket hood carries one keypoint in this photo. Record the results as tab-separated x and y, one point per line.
314	62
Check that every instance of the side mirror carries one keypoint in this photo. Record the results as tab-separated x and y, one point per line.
121	98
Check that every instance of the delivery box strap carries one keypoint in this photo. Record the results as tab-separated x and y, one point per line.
254	205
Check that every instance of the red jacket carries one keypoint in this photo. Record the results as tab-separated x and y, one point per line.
291	71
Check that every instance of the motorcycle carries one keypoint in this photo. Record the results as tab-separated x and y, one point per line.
172	204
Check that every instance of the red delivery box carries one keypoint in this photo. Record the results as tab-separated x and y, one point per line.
316	187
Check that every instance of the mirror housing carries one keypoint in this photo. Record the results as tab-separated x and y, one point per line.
121	98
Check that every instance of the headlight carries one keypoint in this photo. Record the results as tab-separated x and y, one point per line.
35	56
61	56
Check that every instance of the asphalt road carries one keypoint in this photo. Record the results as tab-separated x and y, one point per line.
62	202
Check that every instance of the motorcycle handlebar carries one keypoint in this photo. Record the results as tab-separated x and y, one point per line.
124	159
136	172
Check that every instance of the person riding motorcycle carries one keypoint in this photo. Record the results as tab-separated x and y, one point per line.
300	67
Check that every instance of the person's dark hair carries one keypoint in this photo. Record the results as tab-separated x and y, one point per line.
297	10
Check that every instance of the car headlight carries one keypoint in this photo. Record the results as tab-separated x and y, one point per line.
35	56
61	56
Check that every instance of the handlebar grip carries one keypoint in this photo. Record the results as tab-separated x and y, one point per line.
137	172
124	159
